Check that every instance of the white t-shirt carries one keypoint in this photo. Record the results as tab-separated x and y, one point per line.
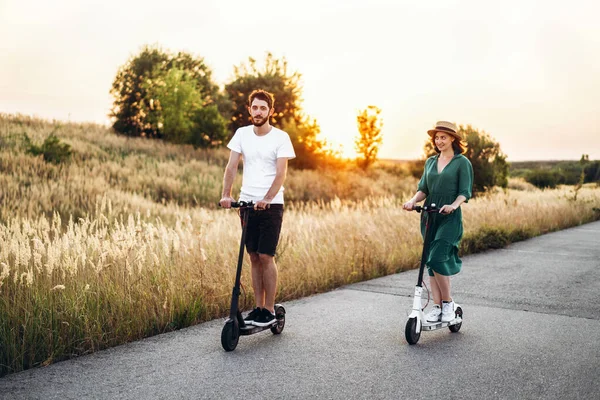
260	154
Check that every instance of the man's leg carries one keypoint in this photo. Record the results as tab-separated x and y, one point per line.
257	280
269	281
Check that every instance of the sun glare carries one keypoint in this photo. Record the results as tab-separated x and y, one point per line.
344	146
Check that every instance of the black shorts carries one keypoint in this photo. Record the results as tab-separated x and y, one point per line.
264	226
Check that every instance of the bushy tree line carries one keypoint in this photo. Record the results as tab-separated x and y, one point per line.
173	97
158	94
564	173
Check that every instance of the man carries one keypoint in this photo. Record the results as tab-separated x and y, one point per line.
266	151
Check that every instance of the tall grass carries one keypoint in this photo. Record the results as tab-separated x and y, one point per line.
122	169
112	277
124	240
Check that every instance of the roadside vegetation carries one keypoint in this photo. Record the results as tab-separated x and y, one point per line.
121	239
109	235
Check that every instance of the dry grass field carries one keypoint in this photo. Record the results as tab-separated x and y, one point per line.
124	241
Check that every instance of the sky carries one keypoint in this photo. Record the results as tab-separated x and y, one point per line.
525	72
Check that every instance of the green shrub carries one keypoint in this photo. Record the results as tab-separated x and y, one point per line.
52	149
493	238
592	172
544	178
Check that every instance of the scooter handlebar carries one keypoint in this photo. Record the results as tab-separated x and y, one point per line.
430	208
240	204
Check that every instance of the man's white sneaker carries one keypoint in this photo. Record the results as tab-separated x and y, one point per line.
434	314
448	312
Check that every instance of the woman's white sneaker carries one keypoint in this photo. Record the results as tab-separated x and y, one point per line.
448	312
434	314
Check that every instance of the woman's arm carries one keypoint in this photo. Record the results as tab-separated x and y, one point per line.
418	197
450	208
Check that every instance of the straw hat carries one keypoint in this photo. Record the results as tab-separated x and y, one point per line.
447	127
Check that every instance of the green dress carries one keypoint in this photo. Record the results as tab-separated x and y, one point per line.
446	230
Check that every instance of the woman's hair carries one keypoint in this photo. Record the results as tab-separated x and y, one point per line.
262	95
459	146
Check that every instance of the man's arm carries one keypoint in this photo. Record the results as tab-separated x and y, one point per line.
228	177
280	174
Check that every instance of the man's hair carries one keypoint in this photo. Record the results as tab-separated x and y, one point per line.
261	95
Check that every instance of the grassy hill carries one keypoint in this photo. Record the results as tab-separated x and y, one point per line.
122	239
136	173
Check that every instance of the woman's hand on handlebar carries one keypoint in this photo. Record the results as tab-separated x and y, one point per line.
447	209
409	205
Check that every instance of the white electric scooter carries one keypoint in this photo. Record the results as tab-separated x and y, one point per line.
416	320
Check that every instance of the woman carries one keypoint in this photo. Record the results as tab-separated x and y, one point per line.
446	182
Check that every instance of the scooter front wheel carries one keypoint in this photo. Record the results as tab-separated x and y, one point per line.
230	335
410	332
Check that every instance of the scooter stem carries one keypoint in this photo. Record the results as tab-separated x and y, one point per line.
425	251
235	295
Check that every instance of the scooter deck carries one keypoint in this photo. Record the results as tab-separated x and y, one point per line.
431	326
251	329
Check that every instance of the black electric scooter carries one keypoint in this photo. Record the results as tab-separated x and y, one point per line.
235	325
416	320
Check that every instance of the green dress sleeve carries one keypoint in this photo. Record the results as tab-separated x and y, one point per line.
422	186
465	178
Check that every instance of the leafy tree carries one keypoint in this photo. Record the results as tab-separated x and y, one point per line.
311	151
590	169
176	111
489	163
369	136
273	78
210	127
592	172
134	110
172	102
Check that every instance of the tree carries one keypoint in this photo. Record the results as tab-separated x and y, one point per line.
176	111
275	78
369	137
311	151
172	102
592	172
210	127
489	163
129	94
134	109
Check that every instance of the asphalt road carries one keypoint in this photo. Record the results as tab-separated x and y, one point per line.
531	330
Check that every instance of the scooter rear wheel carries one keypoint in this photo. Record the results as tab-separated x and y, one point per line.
230	335
410	332
456	327
280	316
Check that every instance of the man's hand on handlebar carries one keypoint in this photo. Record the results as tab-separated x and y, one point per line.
262	204
226	202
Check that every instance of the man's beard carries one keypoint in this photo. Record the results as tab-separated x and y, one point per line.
259	124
